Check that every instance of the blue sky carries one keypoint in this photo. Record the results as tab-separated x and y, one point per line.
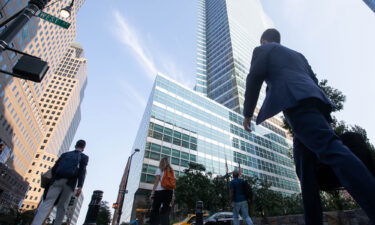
127	41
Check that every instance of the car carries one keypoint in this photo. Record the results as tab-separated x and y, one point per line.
190	219
220	218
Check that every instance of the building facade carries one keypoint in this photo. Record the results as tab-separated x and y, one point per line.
12	189
371	4
185	126
33	131
60	106
74	209
228	31
22	126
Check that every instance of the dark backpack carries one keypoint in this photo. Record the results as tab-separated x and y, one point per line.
68	165
247	190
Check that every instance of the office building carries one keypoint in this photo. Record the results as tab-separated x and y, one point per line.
185	126
371	4
60	106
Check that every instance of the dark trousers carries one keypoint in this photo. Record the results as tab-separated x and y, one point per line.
314	140
161	215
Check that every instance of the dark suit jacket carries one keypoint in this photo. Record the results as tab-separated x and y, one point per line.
289	80
80	178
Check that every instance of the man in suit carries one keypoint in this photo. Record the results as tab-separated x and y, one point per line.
293	89
64	183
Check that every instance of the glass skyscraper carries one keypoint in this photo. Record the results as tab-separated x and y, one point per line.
185	126
371	4
205	125
228	31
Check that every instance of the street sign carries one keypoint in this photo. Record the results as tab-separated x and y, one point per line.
53	19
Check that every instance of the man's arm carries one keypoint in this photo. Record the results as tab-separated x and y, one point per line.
82	171
311	72
254	81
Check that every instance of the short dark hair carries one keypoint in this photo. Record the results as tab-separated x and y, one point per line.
236	174
81	144
271	35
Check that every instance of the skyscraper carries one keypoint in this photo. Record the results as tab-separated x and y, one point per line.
185	126
22	127
60	105
205	126
371	4
228	31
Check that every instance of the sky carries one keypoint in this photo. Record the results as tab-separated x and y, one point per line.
127	41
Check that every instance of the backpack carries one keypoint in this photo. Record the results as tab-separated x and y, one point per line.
68	165
168	181
247	190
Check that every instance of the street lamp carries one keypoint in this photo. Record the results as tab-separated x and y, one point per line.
67	11
122	191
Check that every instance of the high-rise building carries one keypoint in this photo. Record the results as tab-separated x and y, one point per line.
205	126
185	126
371	4
22	127
74	209
228	31
60	106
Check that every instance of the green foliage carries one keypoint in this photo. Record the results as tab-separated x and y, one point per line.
104	215
196	185
10	216
337	200
335	95
193	186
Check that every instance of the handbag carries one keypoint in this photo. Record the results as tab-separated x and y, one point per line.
326	178
46	179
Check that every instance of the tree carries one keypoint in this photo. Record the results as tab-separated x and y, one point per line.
193	186
104	215
336	96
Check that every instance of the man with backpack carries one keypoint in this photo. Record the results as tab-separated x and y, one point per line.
68	173
239	195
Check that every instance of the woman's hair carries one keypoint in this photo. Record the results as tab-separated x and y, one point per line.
164	164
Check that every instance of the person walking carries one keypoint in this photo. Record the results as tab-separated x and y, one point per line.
68	172
162	193
239	197
293	88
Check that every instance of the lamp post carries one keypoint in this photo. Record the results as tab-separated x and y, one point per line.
20	20
122	191
28	67
67	11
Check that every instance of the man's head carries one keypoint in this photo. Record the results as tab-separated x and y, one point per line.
80	145
270	35
236	174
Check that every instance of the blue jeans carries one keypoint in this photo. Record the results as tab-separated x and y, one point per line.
314	140
243	207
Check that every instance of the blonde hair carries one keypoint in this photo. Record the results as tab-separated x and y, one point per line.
164	164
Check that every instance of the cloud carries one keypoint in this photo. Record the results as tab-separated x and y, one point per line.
132	95
129	37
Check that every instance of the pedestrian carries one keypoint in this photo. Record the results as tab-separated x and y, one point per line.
68	173
162	193
293	88
239	197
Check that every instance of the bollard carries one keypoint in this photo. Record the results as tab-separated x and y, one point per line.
199	213
94	206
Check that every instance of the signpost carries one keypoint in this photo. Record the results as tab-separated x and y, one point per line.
53	19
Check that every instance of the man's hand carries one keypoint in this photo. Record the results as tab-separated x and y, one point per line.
247	123
78	191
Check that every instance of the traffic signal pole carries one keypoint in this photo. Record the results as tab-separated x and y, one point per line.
20	21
